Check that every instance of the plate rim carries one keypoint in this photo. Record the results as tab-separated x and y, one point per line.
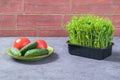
30	58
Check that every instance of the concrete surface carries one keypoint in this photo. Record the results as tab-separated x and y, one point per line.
59	66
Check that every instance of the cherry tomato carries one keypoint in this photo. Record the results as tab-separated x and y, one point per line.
41	44
21	42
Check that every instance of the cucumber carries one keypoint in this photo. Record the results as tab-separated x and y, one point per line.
36	52
28	47
14	51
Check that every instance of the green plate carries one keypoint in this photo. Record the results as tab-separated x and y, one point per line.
50	49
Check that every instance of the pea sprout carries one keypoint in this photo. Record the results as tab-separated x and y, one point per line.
89	30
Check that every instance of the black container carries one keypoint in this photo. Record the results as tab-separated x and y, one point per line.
94	53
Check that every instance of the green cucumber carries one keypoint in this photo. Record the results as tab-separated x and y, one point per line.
28	47
36	52
14	51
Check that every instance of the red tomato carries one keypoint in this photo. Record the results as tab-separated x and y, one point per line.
41	44
21	42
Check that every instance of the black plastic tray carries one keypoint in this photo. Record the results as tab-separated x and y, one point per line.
94	53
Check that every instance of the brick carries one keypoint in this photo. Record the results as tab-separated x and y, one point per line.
96	7
39	21
67	18
105	16
6	21
47	6
53	33
116	20
117	32
11	6
98	1
15	33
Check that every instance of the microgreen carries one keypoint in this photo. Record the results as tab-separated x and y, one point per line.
89	30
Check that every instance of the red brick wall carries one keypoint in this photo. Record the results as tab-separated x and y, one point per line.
47	17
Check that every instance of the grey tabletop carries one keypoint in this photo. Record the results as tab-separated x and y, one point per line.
59	66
